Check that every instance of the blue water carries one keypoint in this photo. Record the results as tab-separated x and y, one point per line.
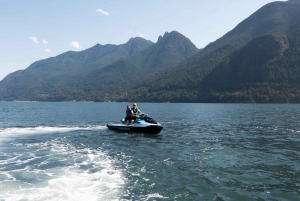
63	151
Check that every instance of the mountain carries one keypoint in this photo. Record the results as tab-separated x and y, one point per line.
11	76
265	70
257	61
90	74
183	83
112	81
70	63
41	75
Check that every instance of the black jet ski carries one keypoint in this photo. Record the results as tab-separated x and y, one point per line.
143	124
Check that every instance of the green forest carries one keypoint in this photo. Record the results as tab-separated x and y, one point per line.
256	62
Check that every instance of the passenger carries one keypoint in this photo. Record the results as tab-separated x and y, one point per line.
135	112
128	115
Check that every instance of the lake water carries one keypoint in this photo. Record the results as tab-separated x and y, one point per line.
63	151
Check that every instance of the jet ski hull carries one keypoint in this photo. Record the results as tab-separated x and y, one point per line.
142	128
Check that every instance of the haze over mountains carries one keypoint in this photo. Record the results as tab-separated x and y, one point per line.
257	61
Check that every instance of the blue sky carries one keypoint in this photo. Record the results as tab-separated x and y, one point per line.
32	30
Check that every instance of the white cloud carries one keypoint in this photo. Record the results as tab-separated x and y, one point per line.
102	11
34	39
142	36
48	51
75	44
44	41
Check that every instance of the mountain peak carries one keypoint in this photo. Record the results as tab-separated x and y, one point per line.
172	34
268	20
166	34
136	44
134	39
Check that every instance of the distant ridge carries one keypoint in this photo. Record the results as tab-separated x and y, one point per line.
112	81
92	73
256	62
40	76
70	63
187	86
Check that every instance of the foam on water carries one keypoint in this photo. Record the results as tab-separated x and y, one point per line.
156	195
8	133
56	170
46	129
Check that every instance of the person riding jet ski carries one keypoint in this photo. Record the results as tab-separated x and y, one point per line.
135	113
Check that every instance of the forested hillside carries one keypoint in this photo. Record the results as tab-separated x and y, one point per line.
112	82
257	61
265	70
188	84
43	76
101	73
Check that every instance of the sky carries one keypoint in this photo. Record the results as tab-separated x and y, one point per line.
31	30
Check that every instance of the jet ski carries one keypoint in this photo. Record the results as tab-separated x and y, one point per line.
143	124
